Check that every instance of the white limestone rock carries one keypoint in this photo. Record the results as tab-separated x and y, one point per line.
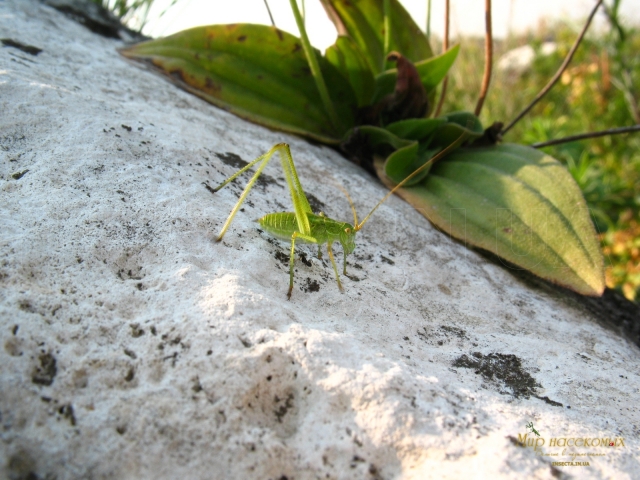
134	346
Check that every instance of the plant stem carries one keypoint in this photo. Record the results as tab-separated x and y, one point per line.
387	32
445	47
488	54
556	77
428	30
582	136
266	4
315	68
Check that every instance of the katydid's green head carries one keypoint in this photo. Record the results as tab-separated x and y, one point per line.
348	238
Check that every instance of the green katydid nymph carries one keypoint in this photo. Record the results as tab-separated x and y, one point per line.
302	224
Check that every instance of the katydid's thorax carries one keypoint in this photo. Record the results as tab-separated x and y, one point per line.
323	229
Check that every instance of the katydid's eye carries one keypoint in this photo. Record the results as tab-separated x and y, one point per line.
347	231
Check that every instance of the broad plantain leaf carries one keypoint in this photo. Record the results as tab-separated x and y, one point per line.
257	72
518	203
363	21
346	56
431	72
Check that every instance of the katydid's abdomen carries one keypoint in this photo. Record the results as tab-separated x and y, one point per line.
323	229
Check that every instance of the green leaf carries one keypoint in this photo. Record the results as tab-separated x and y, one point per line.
456	124
377	137
363	21
415	128
404	161
350	62
431	72
257	72
518	203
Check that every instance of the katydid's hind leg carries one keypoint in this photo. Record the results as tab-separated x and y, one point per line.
291	258
292	254
344	263
333	263
321	214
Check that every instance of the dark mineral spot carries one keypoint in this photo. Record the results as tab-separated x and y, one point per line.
126	127
31	50
304	259
19	175
21	465
236	161
67	412
45	372
131	373
458	332
232	160
549	401
283	257
311	286
282	410
136	331
197	386
503	368
387	260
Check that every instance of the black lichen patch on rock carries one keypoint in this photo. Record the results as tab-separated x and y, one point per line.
282	257
442	335
235	161
503	369
66	411
311	286
45	371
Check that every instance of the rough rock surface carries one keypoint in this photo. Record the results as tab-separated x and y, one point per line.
134	346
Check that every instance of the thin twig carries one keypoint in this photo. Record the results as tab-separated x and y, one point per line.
488	58
445	47
312	59
582	136
556	77
266	4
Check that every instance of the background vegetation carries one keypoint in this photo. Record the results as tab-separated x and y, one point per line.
599	90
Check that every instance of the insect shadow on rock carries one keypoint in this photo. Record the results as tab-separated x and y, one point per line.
302	224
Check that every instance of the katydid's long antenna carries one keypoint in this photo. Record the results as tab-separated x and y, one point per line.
353	208
431	161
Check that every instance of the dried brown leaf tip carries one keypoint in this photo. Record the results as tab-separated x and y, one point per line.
408	100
